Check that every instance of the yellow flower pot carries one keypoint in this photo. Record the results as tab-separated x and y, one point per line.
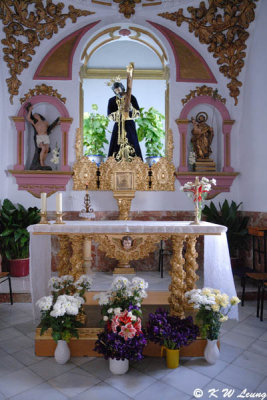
172	357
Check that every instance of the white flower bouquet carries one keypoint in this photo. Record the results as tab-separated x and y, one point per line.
60	314
55	155
213	309
123	295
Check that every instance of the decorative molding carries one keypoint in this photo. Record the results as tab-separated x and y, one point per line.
42	89
20	20
203	91
223	27
105	73
84	173
127	7
163	175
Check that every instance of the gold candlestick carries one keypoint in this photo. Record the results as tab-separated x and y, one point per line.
44	218
59	220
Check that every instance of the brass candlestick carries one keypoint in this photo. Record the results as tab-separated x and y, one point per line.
59	220
44	218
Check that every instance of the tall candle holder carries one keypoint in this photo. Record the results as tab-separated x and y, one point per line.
44	218
88	212
59	216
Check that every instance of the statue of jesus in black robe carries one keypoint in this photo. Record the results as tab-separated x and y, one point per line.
114	114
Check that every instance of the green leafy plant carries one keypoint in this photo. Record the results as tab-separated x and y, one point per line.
14	237
150	129
94	132
229	216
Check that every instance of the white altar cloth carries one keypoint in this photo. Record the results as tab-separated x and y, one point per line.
217	267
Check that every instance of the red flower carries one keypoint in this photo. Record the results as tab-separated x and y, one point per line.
137	325
127	331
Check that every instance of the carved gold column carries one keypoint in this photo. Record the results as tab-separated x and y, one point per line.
76	259
87	254
191	264
64	255
177	286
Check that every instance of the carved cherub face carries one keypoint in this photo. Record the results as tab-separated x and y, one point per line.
127	242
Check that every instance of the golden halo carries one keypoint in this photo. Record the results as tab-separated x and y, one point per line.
203	114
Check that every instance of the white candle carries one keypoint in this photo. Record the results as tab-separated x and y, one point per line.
43	202
59	203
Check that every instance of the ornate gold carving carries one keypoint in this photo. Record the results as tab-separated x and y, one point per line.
169	146
127	7
203	91
111	245
109	169
42	89
124	200
76	259
64	255
84	173
223	26
163	175
177	286
20	19
190	263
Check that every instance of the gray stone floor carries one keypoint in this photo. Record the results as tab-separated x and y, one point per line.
23	376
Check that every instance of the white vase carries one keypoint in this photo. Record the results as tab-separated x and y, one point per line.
211	352
118	367
62	352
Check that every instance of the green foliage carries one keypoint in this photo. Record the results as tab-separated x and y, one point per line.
14	237
229	216
63	327
209	323
150	128
94	132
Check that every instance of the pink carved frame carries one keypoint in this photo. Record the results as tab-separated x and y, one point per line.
227	124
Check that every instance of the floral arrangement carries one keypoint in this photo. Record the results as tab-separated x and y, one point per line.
60	314
171	331
122	337
192	159
123	295
198	190
66	284
61	310
213	309
55	155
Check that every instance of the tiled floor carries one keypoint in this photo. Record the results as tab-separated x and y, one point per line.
23	376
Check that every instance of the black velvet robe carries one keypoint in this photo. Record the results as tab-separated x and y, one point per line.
129	127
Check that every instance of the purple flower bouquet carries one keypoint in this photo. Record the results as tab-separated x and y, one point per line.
171	331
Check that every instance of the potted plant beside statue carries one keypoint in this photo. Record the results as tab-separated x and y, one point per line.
150	129
14	237
94	135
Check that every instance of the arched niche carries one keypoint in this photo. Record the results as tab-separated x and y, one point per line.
226	174
38	181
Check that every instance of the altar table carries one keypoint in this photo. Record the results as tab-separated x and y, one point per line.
75	240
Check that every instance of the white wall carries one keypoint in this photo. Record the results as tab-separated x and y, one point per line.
249	137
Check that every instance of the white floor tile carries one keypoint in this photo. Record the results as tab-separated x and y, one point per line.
18	382
49	368
253	361
228	353
132	383
201	365
9	364
98	367
101	391
249	330
153	366
219	389
40	392
81	360
161	391
27	356
73	382
240	378
186	380
13	345
262	387
9	333
237	339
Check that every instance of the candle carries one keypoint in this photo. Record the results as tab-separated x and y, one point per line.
43	202
59	203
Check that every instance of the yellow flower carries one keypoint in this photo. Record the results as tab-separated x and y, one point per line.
223	318
206	292
216	291
234	300
222	300
215	307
